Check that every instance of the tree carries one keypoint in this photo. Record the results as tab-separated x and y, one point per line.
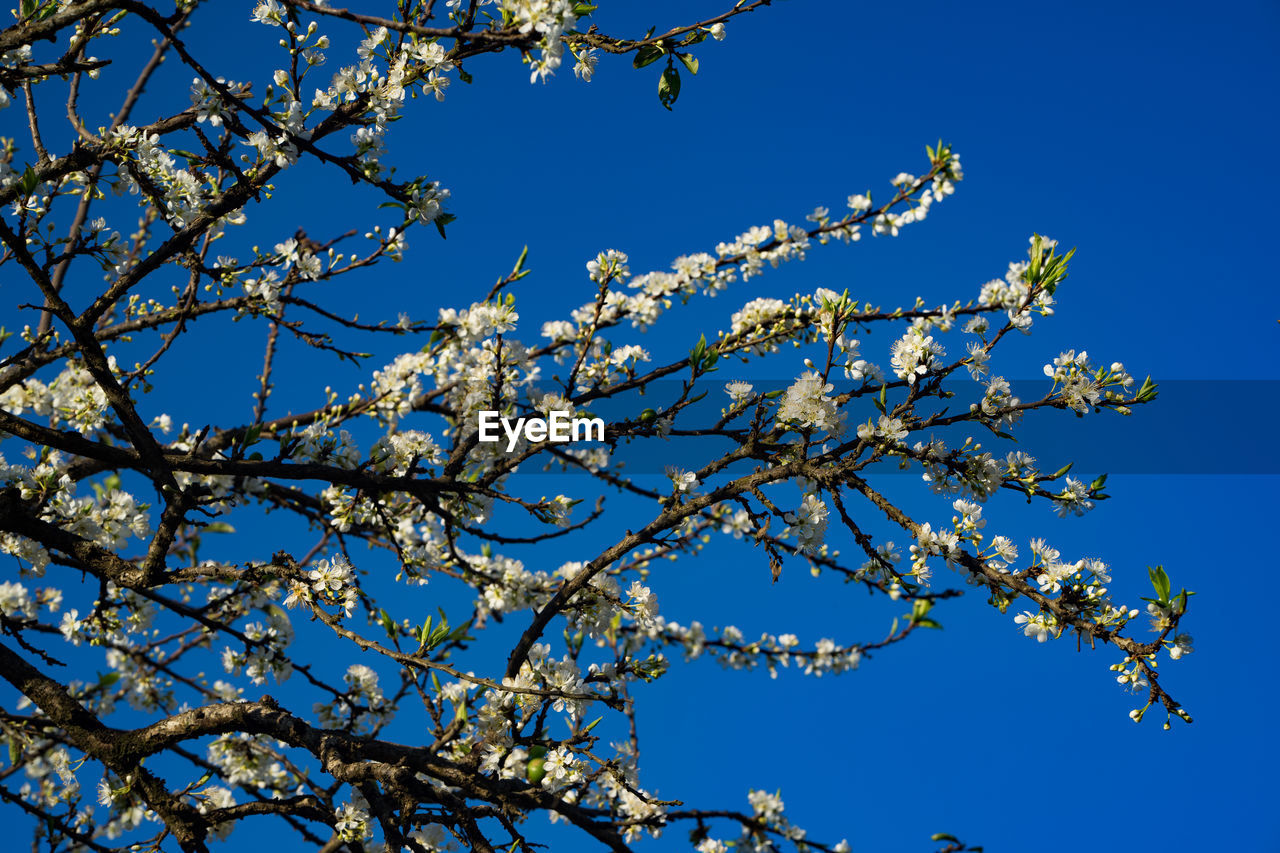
408	746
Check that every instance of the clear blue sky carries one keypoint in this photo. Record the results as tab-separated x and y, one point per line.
1138	133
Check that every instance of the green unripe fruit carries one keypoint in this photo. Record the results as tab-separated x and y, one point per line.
535	770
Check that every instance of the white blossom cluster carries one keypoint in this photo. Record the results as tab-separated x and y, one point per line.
808	524
808	404
361	708
768	809
108	520
549	19
73	398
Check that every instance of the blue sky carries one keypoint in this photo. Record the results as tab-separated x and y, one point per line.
1138	134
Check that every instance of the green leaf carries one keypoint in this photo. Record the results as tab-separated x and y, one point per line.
689	61
919	608
669	86
219	527
460	633
646	55
441	221
436	636
943	836
1160	582
387	623
695	354
29	181
15	751
1147	392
